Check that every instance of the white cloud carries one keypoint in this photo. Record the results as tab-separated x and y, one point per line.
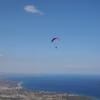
70	66
1	54
32	9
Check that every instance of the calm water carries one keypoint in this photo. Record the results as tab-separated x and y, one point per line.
86	85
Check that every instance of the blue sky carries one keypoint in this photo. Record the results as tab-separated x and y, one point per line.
27	27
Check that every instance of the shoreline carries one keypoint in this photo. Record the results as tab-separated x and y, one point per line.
19	85
15	90
70	94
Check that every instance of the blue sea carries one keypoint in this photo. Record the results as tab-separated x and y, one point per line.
85	85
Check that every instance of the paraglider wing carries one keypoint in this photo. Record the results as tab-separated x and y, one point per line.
54	39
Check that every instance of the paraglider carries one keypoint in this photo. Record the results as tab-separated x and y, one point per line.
55	39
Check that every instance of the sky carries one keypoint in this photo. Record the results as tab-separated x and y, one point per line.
28	26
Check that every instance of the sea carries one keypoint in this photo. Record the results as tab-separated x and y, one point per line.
77	84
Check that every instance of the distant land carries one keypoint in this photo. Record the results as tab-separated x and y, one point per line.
11	90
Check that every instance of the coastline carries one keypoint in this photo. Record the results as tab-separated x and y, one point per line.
19	85
13	89
69	94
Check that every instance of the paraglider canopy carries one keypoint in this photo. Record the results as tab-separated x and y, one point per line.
55	39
